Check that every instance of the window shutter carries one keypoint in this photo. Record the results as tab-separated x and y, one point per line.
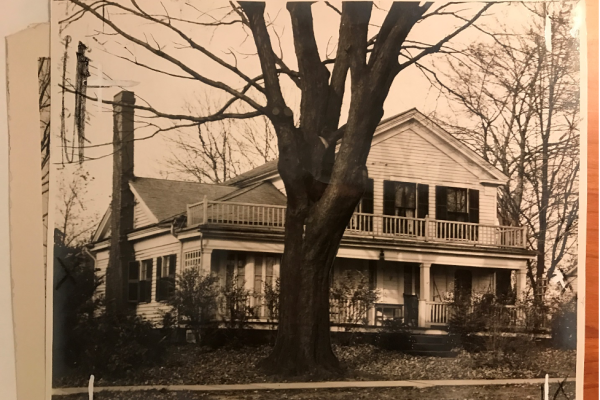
441	203
389	197
474	206
367	199
159	281
422	200
133	293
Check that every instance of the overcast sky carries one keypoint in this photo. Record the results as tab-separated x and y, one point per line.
410	89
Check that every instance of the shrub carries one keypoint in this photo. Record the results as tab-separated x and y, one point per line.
271	301
74	301
86	338
394	335
194	300
236	300
351	297
564	325
114	344
483	323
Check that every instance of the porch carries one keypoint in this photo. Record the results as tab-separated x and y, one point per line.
372	226
417	292
421	295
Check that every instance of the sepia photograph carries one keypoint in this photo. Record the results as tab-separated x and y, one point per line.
313	200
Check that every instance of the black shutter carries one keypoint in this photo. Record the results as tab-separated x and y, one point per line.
441	203
133	293
474	206
423	200
159	279
367	199
389	197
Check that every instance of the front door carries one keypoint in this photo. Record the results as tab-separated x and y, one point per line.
463	282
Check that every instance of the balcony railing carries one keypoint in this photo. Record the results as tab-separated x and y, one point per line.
230	213
361	224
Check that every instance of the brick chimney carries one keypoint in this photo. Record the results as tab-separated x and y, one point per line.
121	220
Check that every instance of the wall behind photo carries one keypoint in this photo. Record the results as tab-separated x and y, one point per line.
16	16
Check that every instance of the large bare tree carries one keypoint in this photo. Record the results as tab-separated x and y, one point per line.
322	186
522	93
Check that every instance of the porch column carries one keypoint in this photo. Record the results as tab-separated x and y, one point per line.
424	293
521	284
206	261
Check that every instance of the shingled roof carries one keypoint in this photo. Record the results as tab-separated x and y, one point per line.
168	198
266	169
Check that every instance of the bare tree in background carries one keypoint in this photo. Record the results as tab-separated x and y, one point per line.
44	107
322	186
220	150
522	92
73	219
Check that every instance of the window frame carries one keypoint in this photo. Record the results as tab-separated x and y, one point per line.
457	216
145	278
165	283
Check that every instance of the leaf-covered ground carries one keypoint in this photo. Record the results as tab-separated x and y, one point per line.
190	364
508	392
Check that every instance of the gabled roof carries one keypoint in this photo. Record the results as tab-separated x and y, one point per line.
164	199
493	175
269	170
259	193
265	170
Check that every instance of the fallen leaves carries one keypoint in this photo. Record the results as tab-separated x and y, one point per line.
191	364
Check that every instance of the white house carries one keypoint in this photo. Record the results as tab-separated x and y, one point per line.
427	227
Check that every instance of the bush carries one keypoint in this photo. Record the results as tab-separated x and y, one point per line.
194	301
114	344
394	335
271	301
484	324
237	303
351	297
74	300
564	325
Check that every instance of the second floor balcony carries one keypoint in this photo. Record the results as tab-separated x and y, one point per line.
363	225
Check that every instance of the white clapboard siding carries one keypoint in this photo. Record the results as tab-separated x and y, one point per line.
140	216
408	156
191	245
153	248
101	265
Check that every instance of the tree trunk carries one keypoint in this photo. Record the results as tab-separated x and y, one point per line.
303	339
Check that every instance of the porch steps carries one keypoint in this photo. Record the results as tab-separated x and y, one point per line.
431	345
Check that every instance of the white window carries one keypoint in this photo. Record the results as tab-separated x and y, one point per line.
192	259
